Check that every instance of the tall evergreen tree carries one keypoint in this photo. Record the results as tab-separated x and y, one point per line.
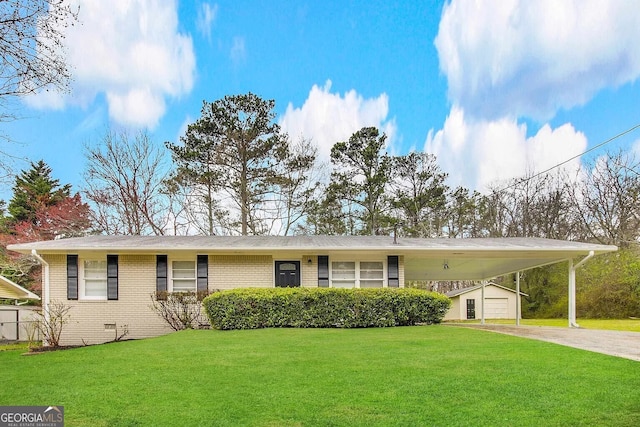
233	151
34	191
40	209
419	194
362	172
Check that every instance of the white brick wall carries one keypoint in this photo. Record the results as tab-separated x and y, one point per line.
137	282
240	271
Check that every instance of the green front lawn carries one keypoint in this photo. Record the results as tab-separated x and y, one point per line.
410	376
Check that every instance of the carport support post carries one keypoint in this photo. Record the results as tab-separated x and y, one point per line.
572	289
572	295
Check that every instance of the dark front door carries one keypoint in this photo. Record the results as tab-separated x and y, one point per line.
287	274
471	309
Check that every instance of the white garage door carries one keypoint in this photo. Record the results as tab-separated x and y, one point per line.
496	308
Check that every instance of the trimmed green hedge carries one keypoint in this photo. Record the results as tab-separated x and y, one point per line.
252	308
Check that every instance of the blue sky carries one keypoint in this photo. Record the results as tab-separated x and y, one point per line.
493	88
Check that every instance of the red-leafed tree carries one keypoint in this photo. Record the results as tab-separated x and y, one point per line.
40	209
67	218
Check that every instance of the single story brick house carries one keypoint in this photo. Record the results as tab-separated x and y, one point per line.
108	281
499	303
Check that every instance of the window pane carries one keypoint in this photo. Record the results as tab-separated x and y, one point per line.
343	283
95	269
95	278
184	276
184	269
371	275
371	283
371	266
95	288
184	285
343	270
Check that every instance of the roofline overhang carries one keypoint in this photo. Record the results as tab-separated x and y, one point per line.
458	251
29	295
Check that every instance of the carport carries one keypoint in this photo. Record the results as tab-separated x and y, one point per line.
483	259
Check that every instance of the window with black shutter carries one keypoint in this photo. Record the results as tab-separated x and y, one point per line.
112	277
393	271
323	271
203	273
72	277
161	273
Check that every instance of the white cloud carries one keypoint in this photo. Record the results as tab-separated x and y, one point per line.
238	50
530	58
477	153
327	117
206	17
635	147
133	53
139	107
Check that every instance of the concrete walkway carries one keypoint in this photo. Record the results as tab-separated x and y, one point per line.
614	343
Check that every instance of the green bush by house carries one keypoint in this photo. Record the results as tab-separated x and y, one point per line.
253	308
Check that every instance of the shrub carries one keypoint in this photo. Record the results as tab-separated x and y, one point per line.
51	321
252	308
180	310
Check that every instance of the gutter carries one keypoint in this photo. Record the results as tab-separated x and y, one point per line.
45	290
585	259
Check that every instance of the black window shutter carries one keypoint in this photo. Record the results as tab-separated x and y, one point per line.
203	273
323	271
393	271
112	277
161	273
72	276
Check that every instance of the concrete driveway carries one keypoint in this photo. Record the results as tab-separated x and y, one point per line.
614	343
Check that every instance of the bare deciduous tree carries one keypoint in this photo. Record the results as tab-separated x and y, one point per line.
532	206
124	181
296	185
31	45
31	55
608	199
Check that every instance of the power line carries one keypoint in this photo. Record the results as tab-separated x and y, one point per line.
613	138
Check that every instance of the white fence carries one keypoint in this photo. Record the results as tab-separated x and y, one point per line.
18	323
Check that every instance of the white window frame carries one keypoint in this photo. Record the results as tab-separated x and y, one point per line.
82	294
171	279
358	261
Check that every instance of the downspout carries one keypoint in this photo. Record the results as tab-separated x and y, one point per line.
518	308
482	302
572	289
45	290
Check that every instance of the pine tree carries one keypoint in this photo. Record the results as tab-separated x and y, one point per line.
34	191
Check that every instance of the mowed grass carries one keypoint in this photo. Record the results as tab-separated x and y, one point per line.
632	325
431	375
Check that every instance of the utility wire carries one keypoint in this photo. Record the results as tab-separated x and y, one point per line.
613	138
